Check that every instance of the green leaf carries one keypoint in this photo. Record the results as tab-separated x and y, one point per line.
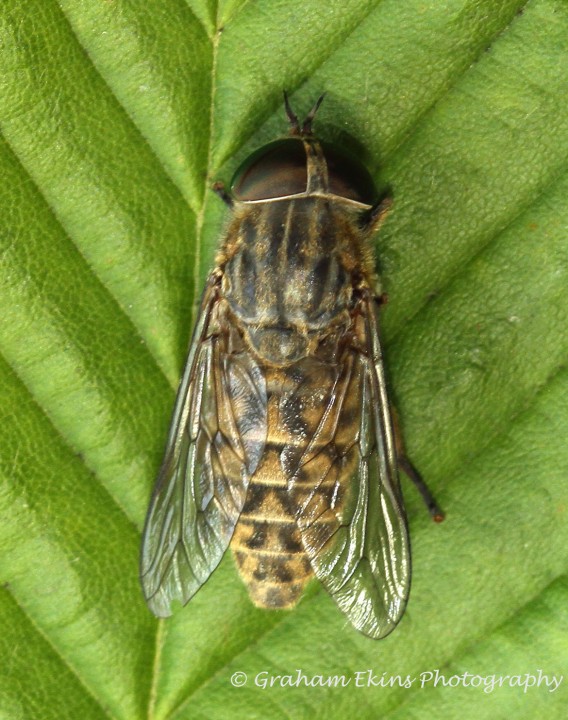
116	118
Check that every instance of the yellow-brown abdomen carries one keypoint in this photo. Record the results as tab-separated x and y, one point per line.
298	490
266	544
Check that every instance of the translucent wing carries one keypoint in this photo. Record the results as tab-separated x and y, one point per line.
217	437
346	492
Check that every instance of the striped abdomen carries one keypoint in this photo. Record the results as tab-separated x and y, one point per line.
266	543
298	494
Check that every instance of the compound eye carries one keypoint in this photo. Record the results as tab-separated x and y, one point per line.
348	177
276	170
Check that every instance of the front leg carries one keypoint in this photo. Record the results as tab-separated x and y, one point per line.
372	219
219	189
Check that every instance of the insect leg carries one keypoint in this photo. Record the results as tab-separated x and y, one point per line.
436	512
371	220
219	189
404	464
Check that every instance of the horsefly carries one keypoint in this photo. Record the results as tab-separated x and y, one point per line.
281	443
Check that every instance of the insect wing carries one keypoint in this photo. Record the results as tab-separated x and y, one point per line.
347	495
216	440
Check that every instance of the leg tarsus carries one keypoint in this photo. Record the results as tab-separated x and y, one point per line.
381	299
436	512
404	464
219	189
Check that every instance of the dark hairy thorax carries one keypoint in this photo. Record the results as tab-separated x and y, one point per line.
289	274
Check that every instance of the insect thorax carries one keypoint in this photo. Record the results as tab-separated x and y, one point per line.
288	275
